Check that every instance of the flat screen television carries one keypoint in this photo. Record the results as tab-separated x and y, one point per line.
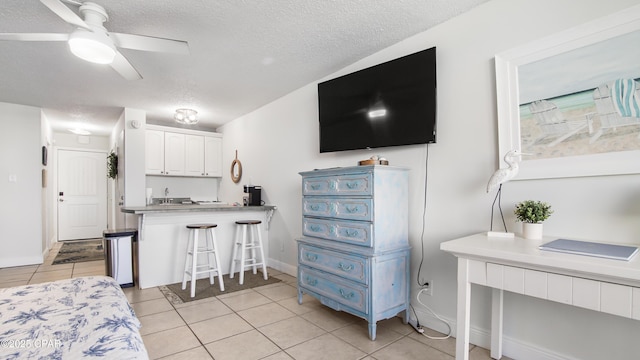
389	104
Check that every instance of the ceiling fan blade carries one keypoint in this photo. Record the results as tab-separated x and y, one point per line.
149	43
65	13
34	37
124	67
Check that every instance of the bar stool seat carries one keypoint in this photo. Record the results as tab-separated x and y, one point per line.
194	248
248	239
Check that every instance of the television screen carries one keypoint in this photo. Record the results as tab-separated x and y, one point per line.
390	104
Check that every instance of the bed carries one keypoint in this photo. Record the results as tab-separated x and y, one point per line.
86	317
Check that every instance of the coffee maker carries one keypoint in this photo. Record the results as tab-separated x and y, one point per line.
254	197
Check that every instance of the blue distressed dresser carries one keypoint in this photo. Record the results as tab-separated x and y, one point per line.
354	254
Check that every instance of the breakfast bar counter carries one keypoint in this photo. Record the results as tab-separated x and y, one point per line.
163	236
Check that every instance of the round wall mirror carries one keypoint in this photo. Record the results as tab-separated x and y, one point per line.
236	169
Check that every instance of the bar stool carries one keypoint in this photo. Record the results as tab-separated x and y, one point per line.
194	249
247	239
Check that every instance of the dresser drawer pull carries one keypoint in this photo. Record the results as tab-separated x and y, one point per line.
351	232
333	185
344	267
311	257
345	295
315	186
314	207
352	185
315	228
352	209
312	282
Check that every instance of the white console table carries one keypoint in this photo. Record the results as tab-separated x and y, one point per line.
517	265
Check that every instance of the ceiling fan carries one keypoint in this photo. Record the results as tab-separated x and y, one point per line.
92	42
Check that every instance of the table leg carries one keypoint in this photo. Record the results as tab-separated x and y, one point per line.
463	311
497	298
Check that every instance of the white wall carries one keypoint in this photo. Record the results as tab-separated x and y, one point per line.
280	139
21	242
93	142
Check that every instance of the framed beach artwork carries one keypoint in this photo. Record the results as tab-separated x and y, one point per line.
572	101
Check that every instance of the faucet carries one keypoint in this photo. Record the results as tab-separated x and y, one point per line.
166	192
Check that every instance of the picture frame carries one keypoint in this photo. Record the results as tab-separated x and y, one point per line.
524	97
44	155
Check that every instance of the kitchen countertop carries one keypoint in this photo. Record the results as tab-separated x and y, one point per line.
156	209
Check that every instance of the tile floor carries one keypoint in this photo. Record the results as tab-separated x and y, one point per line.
260	323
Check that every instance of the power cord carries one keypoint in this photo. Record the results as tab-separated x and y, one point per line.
436	316
417	327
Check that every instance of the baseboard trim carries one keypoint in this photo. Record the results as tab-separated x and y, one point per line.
511	347
284	267
23	261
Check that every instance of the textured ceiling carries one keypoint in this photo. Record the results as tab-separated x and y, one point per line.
244	54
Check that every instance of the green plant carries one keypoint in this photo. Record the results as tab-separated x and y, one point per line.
530	211
112	165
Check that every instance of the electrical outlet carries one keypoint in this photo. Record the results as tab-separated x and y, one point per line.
427	286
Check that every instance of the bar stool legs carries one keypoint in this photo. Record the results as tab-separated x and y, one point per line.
248	239
191	270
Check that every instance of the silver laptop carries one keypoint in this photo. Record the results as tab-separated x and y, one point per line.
609	251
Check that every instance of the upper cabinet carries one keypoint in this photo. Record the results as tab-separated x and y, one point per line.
154	152
178	152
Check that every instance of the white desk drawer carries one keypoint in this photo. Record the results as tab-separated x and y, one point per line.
616	299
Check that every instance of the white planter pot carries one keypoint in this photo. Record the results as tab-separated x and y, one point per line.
532	231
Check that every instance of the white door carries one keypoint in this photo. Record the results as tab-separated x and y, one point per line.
82	194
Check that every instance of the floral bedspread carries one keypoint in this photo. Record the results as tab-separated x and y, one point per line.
87	317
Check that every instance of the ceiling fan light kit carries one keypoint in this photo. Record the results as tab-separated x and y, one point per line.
186	116
94	47
92	42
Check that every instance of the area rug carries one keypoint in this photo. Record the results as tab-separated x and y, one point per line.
79	251
205	290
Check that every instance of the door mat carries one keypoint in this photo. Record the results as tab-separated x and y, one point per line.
80	251
205	290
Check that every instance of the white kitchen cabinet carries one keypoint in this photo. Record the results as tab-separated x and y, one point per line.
154	152
194	155
174	150
213	156
180	152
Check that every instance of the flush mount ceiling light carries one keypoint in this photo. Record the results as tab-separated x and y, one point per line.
186	116
79	131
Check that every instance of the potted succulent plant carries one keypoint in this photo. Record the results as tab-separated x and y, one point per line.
532	213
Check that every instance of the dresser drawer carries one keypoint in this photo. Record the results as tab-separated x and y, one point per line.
350	232
346	185
341	291
340	208
343	265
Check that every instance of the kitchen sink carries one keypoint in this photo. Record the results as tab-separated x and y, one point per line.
173	201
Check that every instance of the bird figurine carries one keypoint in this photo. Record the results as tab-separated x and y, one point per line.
501	176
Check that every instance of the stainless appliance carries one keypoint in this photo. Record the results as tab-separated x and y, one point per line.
120	255
255	195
